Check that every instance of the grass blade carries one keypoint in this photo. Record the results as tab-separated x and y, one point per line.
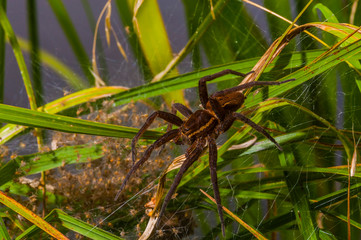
27	117
72	224
4	21
152	36
73	38
4	235
32	217
299	198
38	162
90	94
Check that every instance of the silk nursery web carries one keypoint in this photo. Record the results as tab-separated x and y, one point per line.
313	116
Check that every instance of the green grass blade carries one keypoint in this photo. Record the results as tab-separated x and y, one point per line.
72	224
38	162
152	36
189	80
4	235
197	31
299	198
90	94
327	13
343	218
73	37
4	21
323	202
30	118
32	217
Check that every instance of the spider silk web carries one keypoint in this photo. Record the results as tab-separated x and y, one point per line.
189	215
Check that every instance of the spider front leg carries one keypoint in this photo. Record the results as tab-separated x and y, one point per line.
169	117
192	155
258	128
213	169
249	85
161	141
202	85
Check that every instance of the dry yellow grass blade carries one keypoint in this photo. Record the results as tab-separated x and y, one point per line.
108	29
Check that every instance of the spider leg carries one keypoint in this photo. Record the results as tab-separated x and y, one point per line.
251	84
213	169
195	151
161	141
169	117
202	86
258	128
185	111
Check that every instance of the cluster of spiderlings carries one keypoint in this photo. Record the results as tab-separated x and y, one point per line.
90	188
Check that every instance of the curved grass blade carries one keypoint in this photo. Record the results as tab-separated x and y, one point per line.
4	21
90	94
38	162
72	224
30	118
32	217
327	13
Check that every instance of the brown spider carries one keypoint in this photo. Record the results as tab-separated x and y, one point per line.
199	130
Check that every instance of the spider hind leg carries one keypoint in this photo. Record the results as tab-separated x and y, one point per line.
197	150
161	141
213	170
169	117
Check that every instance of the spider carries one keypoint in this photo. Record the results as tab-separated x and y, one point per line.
199	130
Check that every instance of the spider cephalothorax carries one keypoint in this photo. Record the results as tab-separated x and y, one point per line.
200	129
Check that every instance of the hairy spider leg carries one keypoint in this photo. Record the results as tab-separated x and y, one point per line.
258	128
161	141
202	84
213	170
193	154
169	117
185	111
251	84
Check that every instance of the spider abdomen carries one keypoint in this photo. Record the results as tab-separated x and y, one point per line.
199	124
